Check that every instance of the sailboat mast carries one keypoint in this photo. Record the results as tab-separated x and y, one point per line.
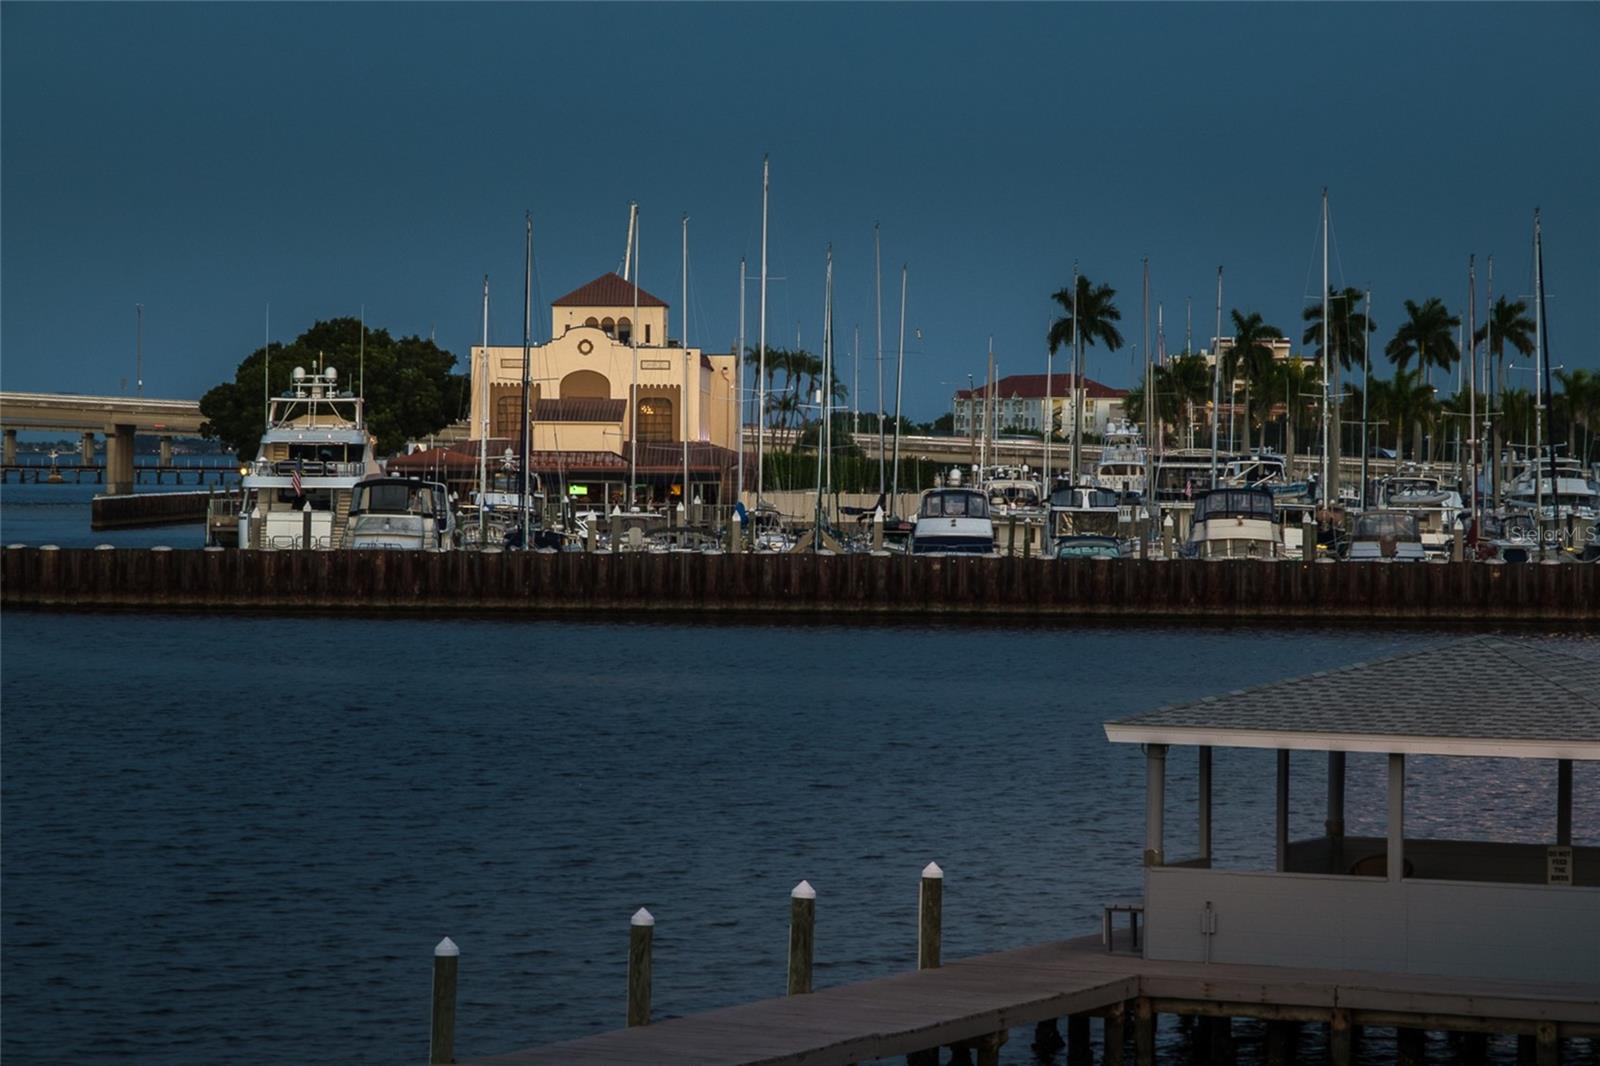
877	274
1491	414
1216	379
633	397
1077	385
823	401
1327	358
986	456
761	364
483	424
1149	379
1541	431
527	366
738	391
1366	388
899	379
1048	410
683	335
1472	384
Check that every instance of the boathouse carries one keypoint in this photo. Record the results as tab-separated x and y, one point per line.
1454	904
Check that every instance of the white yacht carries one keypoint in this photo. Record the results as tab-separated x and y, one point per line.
1235	524
1123	462
1435	504
296	492
1090	510
1567	493
1014	491
1385	536
400	513
953	521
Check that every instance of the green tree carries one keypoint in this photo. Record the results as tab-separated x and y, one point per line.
1188	378
1428	335
1508	322
1290	382
1346	325
1094	310
407	384
1250	357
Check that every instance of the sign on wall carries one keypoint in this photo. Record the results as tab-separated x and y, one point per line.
1558	865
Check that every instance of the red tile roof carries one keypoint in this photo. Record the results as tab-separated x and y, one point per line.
1031	387
584	409
608	290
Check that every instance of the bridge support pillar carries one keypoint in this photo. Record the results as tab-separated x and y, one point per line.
119	460
9	457
166	450
86	449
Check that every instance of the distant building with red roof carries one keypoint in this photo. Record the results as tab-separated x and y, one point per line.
1021	406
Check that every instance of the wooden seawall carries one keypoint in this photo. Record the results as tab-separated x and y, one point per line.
217	579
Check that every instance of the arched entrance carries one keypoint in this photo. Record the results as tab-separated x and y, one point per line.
585	384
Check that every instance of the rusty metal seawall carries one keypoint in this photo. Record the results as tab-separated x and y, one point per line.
1451	593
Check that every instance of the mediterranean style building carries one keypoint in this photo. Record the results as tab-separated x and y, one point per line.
1020	405
610	372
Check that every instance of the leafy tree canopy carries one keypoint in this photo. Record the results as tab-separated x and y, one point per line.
408	386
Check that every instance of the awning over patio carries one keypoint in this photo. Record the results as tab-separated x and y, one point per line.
1485	696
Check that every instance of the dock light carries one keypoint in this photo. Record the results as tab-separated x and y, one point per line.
244	471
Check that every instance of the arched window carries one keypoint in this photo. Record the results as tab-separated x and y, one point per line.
585	384
625	330
654	421
592	322
608	326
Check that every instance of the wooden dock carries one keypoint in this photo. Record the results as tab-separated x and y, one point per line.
977	1000
920	587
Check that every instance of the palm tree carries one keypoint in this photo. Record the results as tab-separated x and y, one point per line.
1579	402
1507	323
1249	356
1428	334
1188	378
1411	401
1345	326
1092	308
1292	380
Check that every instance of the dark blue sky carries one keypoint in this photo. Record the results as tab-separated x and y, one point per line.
206	159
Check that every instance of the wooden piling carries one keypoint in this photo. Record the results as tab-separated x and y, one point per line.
1115	1035
1280	1043
930	917
988	1047
1144	1032
1548	1044
641	933
1220	1050
442	1040
1080	1052
1341	1044
1047	1038
802	932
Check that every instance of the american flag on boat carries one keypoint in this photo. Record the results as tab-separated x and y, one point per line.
294	478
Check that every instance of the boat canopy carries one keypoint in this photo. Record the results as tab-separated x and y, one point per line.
954	503
1234	503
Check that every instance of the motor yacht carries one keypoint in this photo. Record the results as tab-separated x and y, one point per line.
400	513
953	520
1235	523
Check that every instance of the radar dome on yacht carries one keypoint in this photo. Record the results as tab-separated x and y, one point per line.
299	373
331	373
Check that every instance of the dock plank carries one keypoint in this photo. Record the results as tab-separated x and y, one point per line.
905	1012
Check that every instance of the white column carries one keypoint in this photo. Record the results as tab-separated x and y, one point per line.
1205	803
1397	816
1283	811
1564	801
1154	802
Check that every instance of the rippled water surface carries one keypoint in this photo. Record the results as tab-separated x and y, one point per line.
237	839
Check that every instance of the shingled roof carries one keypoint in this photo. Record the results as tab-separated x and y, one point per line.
608	290
1485	696
1031	387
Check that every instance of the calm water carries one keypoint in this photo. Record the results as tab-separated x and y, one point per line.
238	839
59	514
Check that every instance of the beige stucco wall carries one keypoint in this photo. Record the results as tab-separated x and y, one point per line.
653	320
712	415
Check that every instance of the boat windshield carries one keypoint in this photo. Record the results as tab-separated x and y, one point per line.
1092	498
954	505
1383	524
398	497
1244	503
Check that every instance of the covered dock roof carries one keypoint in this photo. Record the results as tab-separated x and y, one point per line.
1484	696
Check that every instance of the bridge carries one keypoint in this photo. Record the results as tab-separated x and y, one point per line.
118	417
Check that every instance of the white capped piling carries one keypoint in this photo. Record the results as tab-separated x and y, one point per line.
802	937
930	917
1308	536
641	933
442	1042
1167	535
735	533
877	529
